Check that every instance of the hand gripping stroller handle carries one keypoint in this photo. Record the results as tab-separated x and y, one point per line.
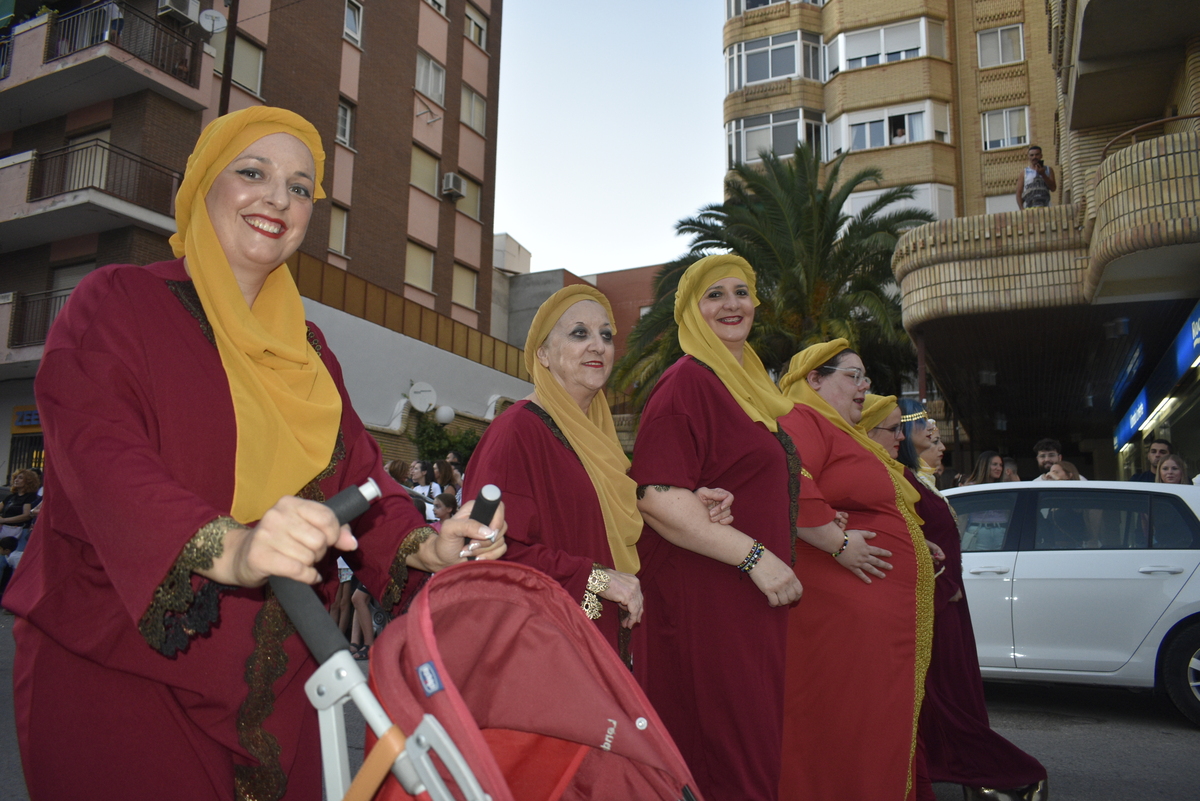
307	613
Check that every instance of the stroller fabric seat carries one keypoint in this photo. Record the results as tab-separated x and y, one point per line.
535	699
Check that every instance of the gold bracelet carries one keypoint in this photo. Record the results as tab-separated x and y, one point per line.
597	583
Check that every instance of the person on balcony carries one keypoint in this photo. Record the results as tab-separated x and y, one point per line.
1036	182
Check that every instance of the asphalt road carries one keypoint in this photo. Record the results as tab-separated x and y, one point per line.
1097	744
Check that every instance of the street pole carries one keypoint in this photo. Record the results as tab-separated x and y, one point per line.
230	46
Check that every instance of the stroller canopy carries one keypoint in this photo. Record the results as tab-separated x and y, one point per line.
535	699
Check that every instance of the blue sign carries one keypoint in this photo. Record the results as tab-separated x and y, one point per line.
431	682
26	417
1183	352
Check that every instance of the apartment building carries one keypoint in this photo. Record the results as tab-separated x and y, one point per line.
942	95
101	103
1080	321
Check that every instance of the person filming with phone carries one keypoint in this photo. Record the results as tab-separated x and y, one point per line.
1036	182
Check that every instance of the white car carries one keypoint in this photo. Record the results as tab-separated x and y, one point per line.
1085	583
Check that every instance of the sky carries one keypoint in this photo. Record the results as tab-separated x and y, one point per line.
610	128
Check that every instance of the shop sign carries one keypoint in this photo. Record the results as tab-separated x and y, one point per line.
1182	355
26	420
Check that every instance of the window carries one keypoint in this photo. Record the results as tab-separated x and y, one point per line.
476	26
767	59
247	62
345	124
1004	128
734	8
1172	527
814	126
431	79
438	5
862	49
474	110
866	48
418	267
469	203
984	519
777	133
352	27
811	44
866	135
898	125
424	171
464	286
1001	46
902	41
339	220
1071	520
833	63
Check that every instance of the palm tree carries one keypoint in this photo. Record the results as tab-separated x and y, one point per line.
822	273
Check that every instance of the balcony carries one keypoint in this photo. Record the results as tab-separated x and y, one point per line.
32	316
82	189
59	63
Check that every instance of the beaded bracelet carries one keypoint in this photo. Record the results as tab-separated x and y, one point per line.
842	550
756	552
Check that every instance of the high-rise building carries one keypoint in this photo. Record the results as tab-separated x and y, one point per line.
101	103
942	95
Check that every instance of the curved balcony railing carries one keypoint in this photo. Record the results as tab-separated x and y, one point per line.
5	56
125	27
33	314
113	170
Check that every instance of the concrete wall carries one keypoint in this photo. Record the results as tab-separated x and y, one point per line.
380	366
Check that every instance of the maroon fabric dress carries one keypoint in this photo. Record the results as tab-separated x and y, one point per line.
959	743
553	515
715	648
140	441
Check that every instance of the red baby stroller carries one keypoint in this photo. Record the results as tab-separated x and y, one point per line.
508	690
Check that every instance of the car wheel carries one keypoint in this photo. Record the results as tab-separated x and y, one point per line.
1181	673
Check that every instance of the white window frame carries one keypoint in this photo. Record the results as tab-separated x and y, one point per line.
344	134
735	8
810	51
354	10
804	120
474	110
927	28
933	114
999	34
475	27
1007	139
438	5
431	79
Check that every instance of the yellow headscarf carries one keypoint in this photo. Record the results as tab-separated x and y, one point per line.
876	408
747	382
593	436
795	386
285	402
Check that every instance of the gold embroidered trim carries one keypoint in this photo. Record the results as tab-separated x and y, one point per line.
924	617
804	472
597	583
794	471
399	570
265	781
185	292
175	594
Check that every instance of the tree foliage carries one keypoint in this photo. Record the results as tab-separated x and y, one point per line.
822	273
434	440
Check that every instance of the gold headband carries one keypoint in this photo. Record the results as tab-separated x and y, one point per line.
908	418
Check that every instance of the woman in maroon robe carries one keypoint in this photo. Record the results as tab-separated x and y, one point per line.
717	598
151	662
959	743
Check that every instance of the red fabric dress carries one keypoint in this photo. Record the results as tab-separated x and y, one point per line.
852	673
960	745
553	515
715	648
140	440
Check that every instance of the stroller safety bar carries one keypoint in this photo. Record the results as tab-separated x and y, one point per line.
339	679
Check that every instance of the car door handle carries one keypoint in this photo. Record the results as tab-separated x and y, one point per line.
975	571
1160	569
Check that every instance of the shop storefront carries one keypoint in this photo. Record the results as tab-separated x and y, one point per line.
25	447
1167	407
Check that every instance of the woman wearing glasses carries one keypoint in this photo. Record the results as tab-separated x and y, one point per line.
858	644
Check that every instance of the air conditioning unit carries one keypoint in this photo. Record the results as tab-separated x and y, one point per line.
181	10
453	186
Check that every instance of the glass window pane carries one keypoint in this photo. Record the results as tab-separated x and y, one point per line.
831	58
989	48
858	136
337	229
758	44
916	127
756	142
783	38
469	203
983	519
783	138
758	66
1171	528
418	267
783	61
877	139
247	65
353	21
424	171
1010	44
1073	520
784	116
1016	126
463	292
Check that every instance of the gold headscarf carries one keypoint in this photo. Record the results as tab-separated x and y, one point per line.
285	402
795	386
747	382
593	436
876	408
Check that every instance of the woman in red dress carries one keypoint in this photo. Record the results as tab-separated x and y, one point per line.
958	741
858	644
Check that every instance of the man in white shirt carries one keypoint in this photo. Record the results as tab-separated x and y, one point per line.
1049	453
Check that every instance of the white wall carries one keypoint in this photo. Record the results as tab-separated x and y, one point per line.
380	366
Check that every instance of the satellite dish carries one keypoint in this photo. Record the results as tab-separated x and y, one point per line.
212	21
422	396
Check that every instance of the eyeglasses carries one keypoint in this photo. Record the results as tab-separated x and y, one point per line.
856	375
897	430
